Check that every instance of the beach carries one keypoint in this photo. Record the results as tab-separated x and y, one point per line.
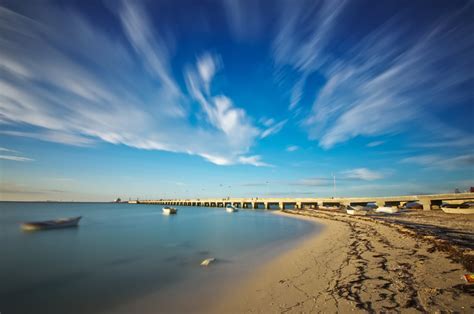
409	263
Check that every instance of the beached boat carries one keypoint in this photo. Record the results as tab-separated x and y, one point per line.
464	208
230	209
333	207
169	211
357	210
51	224
387	210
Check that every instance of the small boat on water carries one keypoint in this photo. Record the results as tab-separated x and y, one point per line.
208	261
169	211
231	209
51	224
464	208
387	210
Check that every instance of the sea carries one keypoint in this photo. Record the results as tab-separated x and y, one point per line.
122	254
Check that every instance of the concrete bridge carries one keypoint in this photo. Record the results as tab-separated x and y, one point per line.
428	202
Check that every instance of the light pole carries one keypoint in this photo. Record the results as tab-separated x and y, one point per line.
334	185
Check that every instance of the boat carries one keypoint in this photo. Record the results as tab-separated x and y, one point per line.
230	209
51	224
464	208
387	210
169	210
329	207
357	210
208	261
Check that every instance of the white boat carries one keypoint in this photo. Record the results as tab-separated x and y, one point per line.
387	210
464	208
230	209
208	261
169	211
51	224
323	207
357	210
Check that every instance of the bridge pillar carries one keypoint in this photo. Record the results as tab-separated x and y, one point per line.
426	202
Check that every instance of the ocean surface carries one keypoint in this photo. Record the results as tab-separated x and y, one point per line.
121	253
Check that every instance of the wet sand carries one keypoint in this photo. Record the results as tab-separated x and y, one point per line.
411	262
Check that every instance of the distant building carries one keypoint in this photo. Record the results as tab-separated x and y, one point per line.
472	189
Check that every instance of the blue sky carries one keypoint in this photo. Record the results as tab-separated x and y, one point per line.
164	99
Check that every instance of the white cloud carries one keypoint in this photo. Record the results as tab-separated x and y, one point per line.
389	80
3	149
15	158
442	162
253	160
375	143
362	174
244	18
100	88
274	129
292	148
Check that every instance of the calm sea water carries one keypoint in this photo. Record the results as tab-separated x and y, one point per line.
122	252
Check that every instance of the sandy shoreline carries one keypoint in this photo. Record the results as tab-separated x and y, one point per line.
410	263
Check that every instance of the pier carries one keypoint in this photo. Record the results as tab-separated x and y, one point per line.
429	202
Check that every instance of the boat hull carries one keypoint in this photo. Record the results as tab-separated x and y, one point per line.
51	224
170	211
231	209
356	212
387	210
465	211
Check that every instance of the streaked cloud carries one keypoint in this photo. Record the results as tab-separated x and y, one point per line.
274	129
66	94
362	174
292	148
3	149
375	143
15	158
441	162
389	80
253	160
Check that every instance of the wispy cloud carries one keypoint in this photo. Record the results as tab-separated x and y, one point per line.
292	148
123	93
253	160
389	80
3	149
244	18
375	143
441	162
274	129
362	174
15	158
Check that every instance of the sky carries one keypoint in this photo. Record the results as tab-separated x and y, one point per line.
168	99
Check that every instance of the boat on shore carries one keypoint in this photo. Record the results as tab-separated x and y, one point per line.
357	210
387	210
329	207
231	209
169	211
464	208
51	224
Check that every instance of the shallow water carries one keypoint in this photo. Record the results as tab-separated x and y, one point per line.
121	252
